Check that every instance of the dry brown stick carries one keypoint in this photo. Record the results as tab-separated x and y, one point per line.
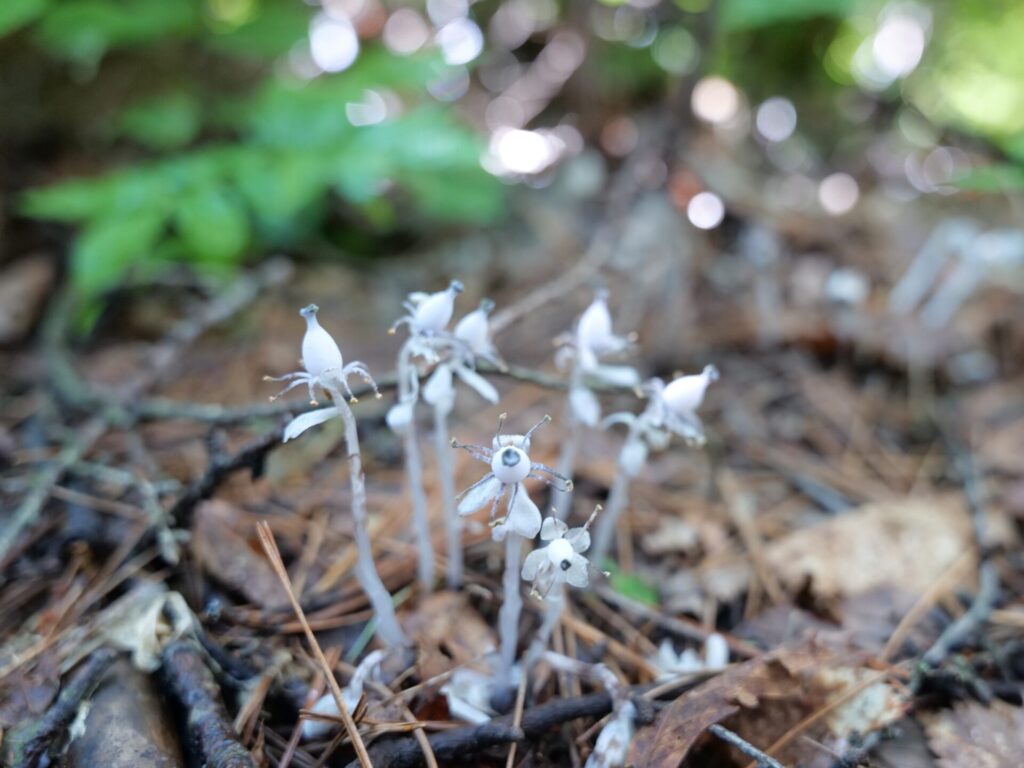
274	556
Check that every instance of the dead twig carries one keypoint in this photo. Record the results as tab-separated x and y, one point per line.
274	556
748	749
32	747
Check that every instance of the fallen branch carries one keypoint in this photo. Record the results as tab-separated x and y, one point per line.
42	737
210	732
459	743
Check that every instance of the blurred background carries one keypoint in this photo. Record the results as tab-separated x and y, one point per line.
145	142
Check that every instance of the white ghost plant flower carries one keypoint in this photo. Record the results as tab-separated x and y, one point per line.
429	313
671	664
581	352
324	369
351	695
474	330
510	464
676	403
561	561
612	746
671	409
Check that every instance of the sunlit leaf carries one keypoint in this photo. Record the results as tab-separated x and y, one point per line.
213	224
748	14
15	14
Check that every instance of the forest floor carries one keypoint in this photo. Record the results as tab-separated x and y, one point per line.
851	526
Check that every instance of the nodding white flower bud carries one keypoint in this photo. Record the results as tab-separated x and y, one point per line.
560	554
475	331
433	314
510	464
319	350
595	325
685	394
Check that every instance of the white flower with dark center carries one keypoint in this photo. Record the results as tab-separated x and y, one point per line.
324	369
510	464
675	404
562	560
429	313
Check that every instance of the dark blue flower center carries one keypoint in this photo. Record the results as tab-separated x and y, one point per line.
565	565
510	457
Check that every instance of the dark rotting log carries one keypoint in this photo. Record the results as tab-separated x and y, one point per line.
38	741
127	725
211	737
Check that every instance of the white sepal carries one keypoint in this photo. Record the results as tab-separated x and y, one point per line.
482	386
399	416
438	391
304	421
633	456
479	494
585	406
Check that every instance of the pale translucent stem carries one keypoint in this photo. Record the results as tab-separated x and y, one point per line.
553	604
446	480
408	392
508	616
618	498
388	630
561	498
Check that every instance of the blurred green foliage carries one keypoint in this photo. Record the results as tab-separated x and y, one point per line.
259	170
224	154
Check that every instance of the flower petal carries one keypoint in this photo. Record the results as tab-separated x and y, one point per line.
524	517
585	406
688	426
579	538
616	375
483	387
479	494
577	574
532	564
553	528
304	421
438	391
399	417
633	456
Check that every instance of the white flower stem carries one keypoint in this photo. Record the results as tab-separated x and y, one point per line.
618	498
561	498
508	616
408	385
446	479
553	604
387	627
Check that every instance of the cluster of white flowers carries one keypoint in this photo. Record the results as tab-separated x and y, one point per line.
562	559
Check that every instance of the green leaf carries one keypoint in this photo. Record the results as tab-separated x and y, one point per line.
750	14
15	14
632	586
84	30
108	248
213	225
166	122
993	178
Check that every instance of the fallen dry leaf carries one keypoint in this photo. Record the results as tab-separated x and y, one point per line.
971	735
908	543
233	558
448	632
762	699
